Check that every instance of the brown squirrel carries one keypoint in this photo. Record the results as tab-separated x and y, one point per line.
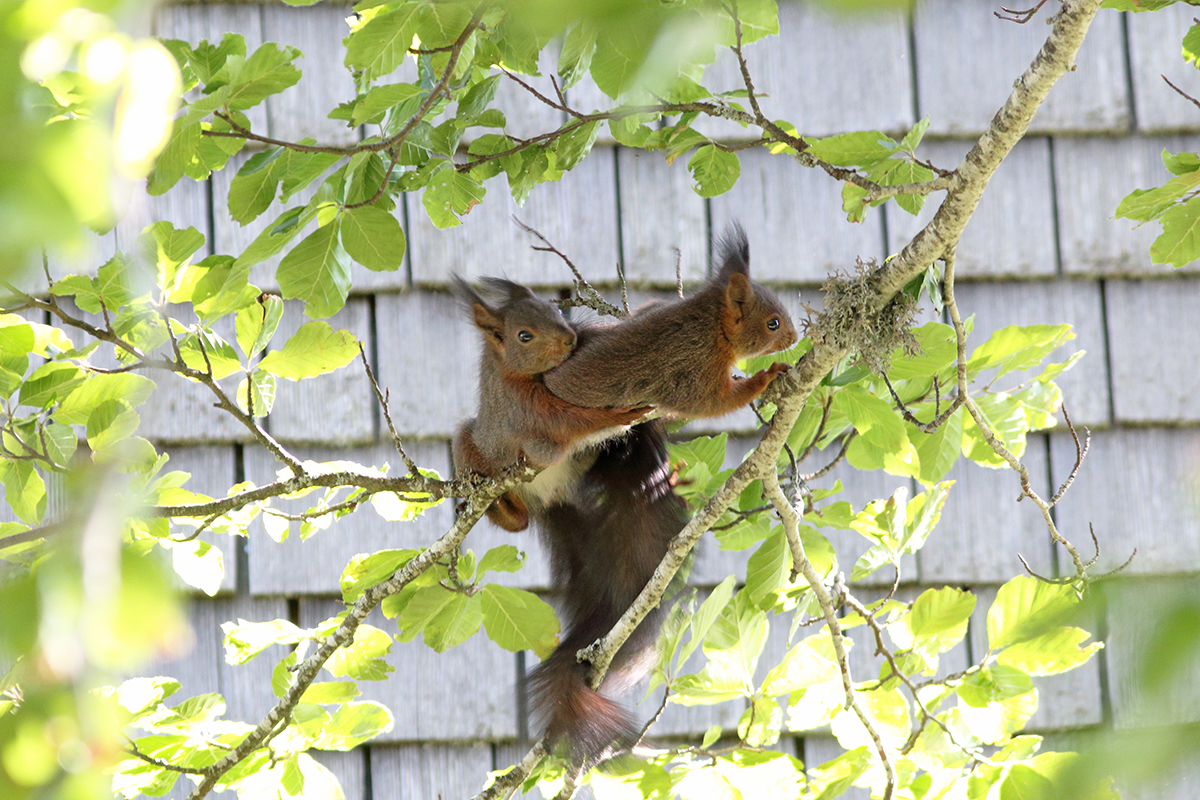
523	337
605	544
676	356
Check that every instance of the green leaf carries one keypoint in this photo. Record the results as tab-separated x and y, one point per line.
1179	243
352	724
572	147
373	238
48	382
518	620
396	508
1181	163
1051	653
504	558
620	53
329	692
266	72
938	451
707	614
1023	782
253	188
872	417
165	247
256	324
575	58
1017	347
449	195
61	443
768	567
365	570
1191	46
313	350
1147	204
734	643
256	394
858	149
370	107
1026	608
446	618
381	45
714	171
317	271
174	160
203	348
24	490
937	622
199	564
109	423
98	389
244	640
363	658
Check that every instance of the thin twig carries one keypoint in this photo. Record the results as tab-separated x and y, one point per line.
1019	17
383	398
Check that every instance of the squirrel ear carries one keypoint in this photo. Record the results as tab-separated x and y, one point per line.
738	292
490	323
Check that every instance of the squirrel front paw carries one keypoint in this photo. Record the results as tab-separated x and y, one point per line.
776	368
633	414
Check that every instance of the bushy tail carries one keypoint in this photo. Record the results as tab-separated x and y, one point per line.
604	547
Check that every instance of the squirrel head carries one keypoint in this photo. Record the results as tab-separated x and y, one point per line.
527	335
755	322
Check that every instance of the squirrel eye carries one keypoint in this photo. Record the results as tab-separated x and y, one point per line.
773	324
525	336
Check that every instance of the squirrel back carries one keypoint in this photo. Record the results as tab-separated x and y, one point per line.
676	356
604	547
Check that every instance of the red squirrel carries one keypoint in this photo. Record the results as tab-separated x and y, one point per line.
676	356
523	337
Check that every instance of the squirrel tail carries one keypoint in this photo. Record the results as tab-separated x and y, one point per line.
604	547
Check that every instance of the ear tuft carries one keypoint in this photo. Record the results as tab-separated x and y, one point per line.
733	253
506	289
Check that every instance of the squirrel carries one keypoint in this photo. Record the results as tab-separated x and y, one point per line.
604	547
676	356
523	337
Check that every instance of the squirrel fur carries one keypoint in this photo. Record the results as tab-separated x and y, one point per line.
604	547
523	336
676	356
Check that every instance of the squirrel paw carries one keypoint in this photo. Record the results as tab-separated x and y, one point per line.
633	414
777	368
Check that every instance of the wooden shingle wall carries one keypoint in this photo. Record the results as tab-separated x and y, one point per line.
1043	248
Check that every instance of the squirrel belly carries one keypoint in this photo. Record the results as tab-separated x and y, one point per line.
677	356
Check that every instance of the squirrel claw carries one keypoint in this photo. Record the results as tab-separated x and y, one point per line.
777	368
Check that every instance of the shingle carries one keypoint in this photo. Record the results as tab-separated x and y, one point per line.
287	568
428	351
1136	610
1069	699
213	471
1089	189
1012	231
823	73
246	688
1138	487
983	529
336	408
191	23
662	220
350	768
1075	302
577	214
185	205
1153	333
1154	52
793	218
967	61
299	111
437	696
431	772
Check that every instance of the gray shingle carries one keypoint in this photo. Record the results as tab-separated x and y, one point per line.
437	696
967	61
1136	609
210	22
300	111
336	408
185	205
1089	189
287	568
577	214
1154	52
431	772
982	529
350	768
525	115
1078	303
1066	700
1153	332
793	218
823	73
428	350
1138	487
213	471
660	217
1012	232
